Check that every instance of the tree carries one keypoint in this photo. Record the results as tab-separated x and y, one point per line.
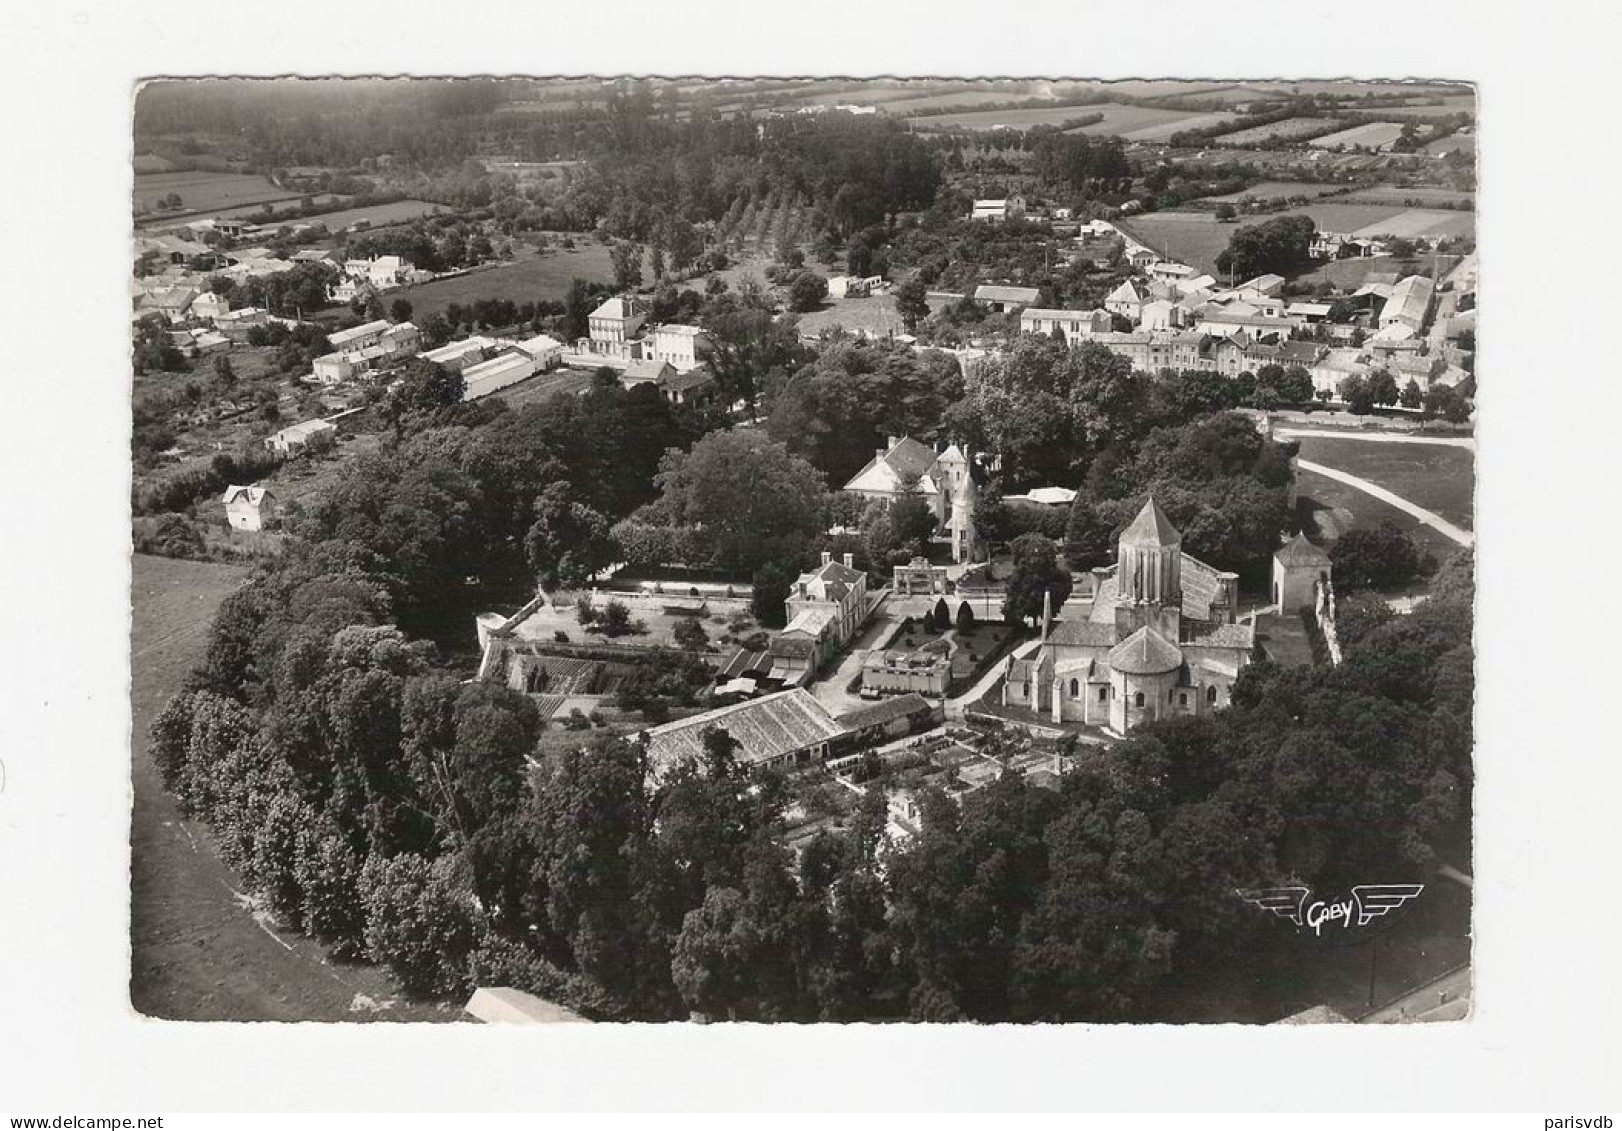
911	303
965	618
615	619
576	309
1411	396
1380	557
1383	387
421	387
656	262
1226	212
689	634
939	618
419	922
569	541
223	371
769	590
1354	391
807	291
1282	245
626	259
1295	386
737	500
1446	402
400	310
1038	575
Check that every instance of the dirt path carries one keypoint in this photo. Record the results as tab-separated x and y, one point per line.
1431	519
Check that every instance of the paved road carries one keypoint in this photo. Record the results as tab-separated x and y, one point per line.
830	691
1429	518
1379	437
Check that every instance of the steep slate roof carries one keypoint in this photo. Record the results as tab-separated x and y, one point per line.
1151	528
1300	551
764	728
1083	634
907	458
254	495
1146	652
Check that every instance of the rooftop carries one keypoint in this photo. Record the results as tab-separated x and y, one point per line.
764	728
1151	528
1146	652
886	710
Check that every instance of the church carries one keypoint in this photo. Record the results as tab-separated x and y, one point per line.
1159	639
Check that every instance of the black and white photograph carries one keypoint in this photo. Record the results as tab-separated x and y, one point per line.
863	560
626	549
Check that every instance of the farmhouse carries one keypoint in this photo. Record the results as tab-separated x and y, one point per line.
545	350
1005	300
853	286
692	387
298	437
1160	639
646	371
248	508
785	729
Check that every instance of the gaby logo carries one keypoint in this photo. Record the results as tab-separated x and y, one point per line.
1368	903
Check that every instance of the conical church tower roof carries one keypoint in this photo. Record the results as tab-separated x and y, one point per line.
1151	528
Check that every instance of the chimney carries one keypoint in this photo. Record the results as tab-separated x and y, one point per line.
891	441
850	561
826	557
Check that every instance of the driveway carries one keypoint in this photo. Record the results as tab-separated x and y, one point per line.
830	691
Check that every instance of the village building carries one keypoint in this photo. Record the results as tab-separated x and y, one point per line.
1160	639
1004	299
784	729
999	209
646	371
505	369
825	607
895	717
925	672
1299	567
248	508
459	356
1409	303
1076	325
298	437
943	479
1125	300
614	330
854	286
692	387
683	348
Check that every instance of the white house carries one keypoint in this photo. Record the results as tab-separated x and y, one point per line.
683	348
1009	208
545	350
1077	325
248	508
358	337
458	356
298	437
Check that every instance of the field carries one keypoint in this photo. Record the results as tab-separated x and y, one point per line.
199	951
1278	131
250	211
1372	135
202	192
524	280
1438	477
381	215
1448	108
1144	123
1398	194
1465	142
1196	238
965	98
874	314
1267	190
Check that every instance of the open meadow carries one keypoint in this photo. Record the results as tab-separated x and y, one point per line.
536	277
1438	477
1371	135
1277	131
201	192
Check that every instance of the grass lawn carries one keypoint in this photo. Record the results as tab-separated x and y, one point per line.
198	950
528	279
874	314
1327	509
1437	477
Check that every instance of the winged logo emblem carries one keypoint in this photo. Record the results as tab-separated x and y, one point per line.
1368	902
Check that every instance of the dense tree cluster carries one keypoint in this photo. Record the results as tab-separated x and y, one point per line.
1281	245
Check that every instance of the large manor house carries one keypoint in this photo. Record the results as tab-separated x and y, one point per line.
1159	639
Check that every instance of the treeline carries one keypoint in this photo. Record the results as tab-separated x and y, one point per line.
387	810
178	491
